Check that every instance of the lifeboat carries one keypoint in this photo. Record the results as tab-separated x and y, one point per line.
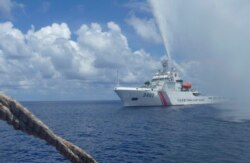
186	85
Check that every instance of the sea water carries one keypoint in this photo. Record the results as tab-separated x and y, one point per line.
112	134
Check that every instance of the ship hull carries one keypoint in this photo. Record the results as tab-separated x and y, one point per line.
148	97
136	97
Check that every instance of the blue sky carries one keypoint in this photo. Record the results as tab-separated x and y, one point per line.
69	50
72	50
41	13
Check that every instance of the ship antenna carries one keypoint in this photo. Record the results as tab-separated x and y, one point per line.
165	65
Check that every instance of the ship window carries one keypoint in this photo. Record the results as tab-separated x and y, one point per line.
179	81
134	99
196	94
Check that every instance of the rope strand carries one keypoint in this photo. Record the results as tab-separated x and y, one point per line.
22	119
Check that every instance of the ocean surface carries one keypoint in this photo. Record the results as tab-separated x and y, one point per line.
112	134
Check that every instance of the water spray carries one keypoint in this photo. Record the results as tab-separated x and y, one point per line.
162	24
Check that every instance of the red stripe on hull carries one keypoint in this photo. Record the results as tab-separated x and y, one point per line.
163	99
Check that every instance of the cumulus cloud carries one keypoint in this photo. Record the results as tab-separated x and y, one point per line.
146	28
110	50
12	41
140	19
48	58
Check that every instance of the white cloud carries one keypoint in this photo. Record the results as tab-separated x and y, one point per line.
146	28
6	8
137	5
110	50
48	59
12	42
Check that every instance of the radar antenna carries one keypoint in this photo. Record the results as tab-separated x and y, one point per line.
165	65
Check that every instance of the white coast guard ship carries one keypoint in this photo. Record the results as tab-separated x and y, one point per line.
166	88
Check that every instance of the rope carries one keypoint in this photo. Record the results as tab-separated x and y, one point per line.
22	119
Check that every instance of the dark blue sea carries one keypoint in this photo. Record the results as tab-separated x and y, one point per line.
112	134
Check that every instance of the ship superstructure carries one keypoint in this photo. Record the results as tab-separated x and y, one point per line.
165	88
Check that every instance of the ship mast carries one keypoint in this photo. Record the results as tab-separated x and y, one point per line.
165	65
